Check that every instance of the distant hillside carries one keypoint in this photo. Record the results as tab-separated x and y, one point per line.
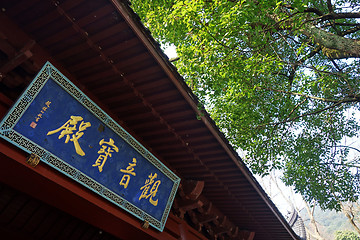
329	222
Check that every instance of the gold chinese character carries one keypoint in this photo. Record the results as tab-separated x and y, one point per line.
130	170
125	181
106	152
150	191
68	129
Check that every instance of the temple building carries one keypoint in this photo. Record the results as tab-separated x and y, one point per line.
101	138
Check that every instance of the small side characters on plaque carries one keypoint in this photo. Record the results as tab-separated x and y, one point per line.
68	130
40	115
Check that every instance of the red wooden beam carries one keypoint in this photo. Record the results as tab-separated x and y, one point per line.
6	47
19	57
95	15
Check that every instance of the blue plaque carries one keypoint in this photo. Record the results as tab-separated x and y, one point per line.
56	121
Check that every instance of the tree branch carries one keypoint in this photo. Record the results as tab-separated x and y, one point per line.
301	61
333	46
350	31
330	6
302	95
345	79
340	15
308	10
340	164
297	106
312	220
211	35
348	147
349	217
303	115
341	24
314	10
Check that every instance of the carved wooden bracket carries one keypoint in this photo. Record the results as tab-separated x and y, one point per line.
192	189
246	235
201	214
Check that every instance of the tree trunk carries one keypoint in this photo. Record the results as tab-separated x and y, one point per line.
333	46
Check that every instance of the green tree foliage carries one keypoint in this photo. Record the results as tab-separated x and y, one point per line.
273	76
346	235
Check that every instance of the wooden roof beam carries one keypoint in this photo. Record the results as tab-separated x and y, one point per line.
145	72
72	50
64	33
98	76
177	157
109	32
133	60
104	89
170	149
194	123
152	84
180	165
210	152
219	164
199	139
88	63
144	125
160	96
155	133
130	106
95	15
193	172
19	57
109	99
6	47
215	158
21	6
202	146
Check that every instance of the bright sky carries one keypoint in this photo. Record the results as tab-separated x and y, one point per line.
170	51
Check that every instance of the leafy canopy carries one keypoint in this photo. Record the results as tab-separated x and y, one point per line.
280	78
